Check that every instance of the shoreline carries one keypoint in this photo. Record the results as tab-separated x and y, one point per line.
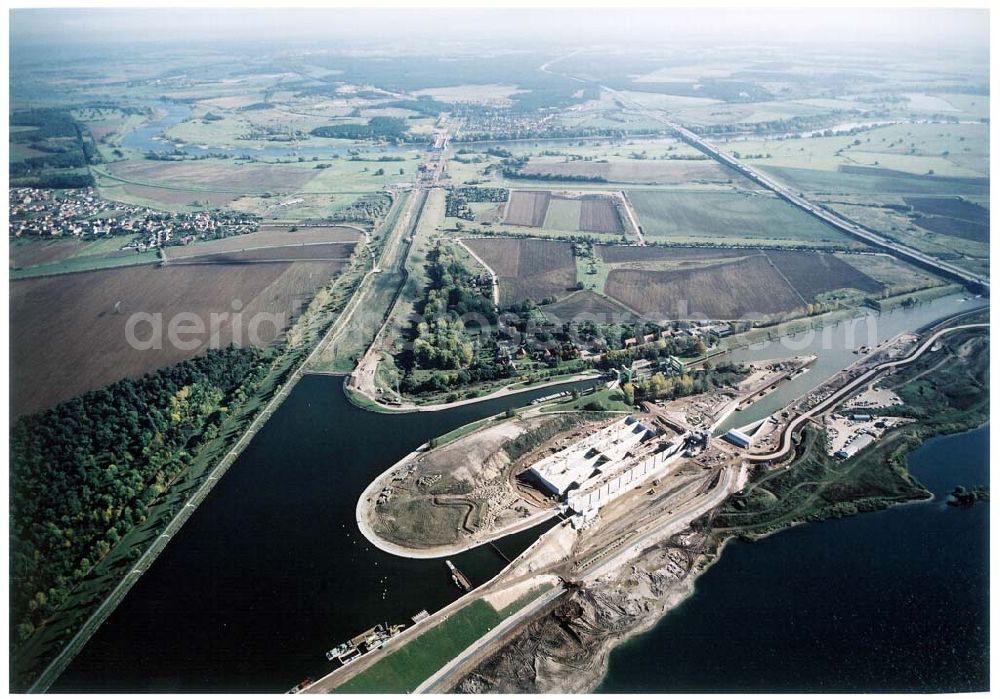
365	402
686	587
681	593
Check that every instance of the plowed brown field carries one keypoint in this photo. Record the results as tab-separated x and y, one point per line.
528	269
67	337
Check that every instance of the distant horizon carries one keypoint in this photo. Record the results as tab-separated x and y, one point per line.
966	29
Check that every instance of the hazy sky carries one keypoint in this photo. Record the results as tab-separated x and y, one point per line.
968	28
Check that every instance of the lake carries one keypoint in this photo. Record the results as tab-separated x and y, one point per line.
271	571
889	601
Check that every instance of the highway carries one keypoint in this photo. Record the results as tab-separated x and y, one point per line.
945	268
837	396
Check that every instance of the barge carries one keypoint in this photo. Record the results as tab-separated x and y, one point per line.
365	642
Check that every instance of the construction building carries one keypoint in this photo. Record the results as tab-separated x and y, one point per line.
854	445
598	468
738	438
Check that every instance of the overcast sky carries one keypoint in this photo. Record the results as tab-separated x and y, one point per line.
968	28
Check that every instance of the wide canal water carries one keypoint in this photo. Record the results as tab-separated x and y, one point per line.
271	571
895	600
834	348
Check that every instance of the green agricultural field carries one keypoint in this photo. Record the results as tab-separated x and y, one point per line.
747	113
950	150
563	214
966	146
84	263
302	207
229	131
875	182
729	218
666	172
257	187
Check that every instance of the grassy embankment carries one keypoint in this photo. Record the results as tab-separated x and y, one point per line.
32	256
403	670
944	391
379	294
409	298
609	400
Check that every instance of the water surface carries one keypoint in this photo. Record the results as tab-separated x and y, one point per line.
271	570
889	601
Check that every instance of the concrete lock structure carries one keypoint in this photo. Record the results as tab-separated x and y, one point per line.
595	470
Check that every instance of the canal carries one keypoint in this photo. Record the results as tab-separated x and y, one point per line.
834	348
271	570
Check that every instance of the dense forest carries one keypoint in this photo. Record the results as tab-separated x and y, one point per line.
377	129
660	386
459	198
440	339
368	208
87	471
65	149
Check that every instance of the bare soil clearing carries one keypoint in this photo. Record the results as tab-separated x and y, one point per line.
599	215
587	305
759	284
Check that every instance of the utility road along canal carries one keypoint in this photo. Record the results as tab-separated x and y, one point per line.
834	349
271	571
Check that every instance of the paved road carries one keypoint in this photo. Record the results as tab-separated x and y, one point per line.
441	680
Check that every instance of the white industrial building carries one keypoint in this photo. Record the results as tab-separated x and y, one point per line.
596	469
738	438
854	445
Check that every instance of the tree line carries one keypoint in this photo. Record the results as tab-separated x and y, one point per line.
377	128
87	471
